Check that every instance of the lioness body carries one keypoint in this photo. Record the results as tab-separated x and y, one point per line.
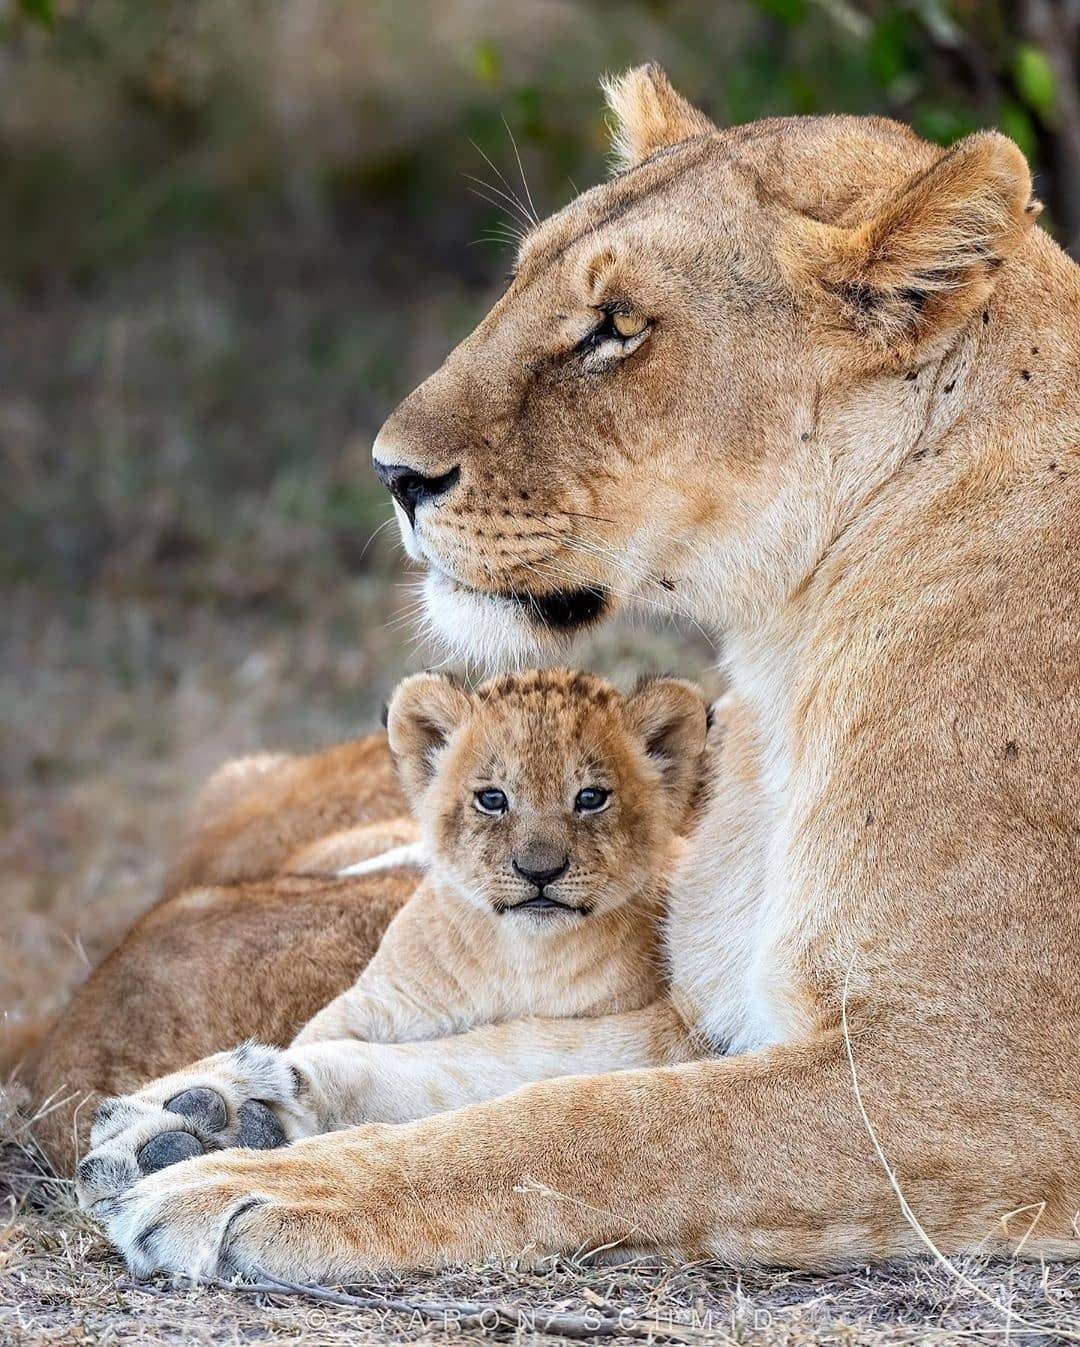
840	420
253	935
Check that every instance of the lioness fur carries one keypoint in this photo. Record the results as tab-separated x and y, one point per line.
253	934
814	383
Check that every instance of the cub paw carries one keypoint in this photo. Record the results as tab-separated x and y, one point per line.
250	1097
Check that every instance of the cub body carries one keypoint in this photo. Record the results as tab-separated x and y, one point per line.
551	809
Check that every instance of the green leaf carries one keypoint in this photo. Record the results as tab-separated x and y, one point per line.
1017	125
887	48
42	12
1035	80
790	11
486	63
942	123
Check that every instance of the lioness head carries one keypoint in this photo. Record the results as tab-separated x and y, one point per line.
549	792
697	370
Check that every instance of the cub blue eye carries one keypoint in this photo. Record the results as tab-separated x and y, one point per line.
591	799
491	801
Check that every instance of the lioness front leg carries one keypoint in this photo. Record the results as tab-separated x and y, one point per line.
258	1096
760	1158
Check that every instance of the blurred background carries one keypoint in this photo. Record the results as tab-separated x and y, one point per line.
232	236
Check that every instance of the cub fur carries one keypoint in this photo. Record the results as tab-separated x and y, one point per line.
550	808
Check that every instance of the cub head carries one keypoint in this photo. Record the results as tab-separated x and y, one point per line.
549	793
695	370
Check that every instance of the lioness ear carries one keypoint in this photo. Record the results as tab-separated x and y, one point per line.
648	114
671	715
424	712
931	255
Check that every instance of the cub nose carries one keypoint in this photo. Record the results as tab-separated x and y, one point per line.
411	488
541	877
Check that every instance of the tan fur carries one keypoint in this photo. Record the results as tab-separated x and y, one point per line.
847	437
233	950
350	846
256	816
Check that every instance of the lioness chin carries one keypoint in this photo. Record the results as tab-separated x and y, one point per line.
812	382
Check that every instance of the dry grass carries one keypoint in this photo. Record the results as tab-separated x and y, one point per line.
114	710
61	1284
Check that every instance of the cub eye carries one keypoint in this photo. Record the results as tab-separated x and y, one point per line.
491	801
591	800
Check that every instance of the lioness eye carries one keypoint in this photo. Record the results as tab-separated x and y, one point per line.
591	800
628	324
491	801
618	333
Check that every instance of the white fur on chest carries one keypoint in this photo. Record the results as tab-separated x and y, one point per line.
730	915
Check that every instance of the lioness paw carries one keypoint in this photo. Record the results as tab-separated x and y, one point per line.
250	1097
230	1214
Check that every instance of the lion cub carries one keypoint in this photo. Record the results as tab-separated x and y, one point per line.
550	808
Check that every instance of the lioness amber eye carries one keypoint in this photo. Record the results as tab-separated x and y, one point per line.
591	800
491	801
628	324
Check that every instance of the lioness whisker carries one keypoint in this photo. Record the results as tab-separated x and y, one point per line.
509	222
521	170
499	174
518	210
390	519
504	240
578	514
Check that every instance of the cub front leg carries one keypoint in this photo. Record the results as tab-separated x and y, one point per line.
251	1097
260	1097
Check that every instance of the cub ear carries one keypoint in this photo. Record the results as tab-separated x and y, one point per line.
648	114
671	716
424	712
930	256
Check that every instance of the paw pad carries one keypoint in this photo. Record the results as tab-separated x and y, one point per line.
204	1107
259	1129
168	1148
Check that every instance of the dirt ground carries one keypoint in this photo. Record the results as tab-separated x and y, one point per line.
113	710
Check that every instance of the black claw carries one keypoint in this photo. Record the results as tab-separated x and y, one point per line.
205	1106
145	1238
168	1148
259	1129
228	1266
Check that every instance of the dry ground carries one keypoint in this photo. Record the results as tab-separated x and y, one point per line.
113	710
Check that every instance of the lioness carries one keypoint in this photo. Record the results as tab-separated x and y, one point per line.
813	382
551	810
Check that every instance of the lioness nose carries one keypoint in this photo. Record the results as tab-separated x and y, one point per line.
542	877
412	489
